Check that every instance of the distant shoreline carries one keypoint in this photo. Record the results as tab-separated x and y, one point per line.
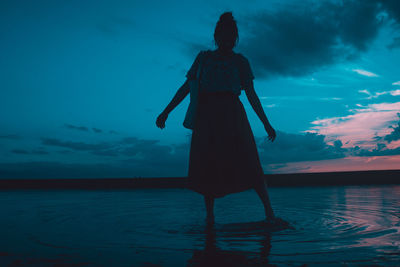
273	180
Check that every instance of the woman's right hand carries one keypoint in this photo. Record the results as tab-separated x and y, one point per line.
271	132
160	122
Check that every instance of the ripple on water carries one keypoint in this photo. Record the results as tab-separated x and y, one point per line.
332	225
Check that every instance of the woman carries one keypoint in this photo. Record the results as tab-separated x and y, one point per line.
223	153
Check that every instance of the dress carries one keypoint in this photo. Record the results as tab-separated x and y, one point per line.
223	155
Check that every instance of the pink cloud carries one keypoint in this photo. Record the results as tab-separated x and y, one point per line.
395	92
359	128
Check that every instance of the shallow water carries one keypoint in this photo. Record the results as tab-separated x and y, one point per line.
352	225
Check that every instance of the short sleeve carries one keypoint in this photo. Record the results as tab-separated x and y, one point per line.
246	74
191	74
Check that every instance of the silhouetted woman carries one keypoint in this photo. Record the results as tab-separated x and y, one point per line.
223	153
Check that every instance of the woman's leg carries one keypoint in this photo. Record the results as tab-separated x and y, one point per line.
263	195
209	201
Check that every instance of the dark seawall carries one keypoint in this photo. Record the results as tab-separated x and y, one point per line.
297	179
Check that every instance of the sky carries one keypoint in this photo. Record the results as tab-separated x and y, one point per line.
82	82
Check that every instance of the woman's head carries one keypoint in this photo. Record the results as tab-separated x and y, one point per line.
226	32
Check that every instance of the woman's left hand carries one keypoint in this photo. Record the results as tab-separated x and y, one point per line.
271	132
160	122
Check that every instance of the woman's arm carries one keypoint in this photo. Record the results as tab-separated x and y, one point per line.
182	92
256	105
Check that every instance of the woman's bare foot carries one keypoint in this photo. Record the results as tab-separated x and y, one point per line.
269	213
278	222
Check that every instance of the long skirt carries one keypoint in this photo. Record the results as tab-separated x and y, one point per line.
223	154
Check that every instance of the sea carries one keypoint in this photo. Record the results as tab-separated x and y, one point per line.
329	226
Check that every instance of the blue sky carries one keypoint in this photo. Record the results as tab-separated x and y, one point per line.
83	81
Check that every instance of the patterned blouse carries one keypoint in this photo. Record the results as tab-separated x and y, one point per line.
222	72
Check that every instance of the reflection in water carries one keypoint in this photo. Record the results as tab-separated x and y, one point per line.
343	225
212	255
364	214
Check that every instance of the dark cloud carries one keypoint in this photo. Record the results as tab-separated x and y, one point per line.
85	129
380	150
299	41
80	146
392	7
147	149
20	151
10	136
79	128
144	158
172	161
296	40
395	134
131	150
26	152
298	147
132	156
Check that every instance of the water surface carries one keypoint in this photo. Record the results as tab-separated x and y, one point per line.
348	225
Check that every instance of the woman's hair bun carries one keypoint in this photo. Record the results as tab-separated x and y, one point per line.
227	16
226	31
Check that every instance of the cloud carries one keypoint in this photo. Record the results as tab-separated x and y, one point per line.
26	152
379	150
299	41
396	83
297	147
128	146
370	95
144	158
144	155
79	146
395	134
361	127
378	94
365	73
86	129
79	128
132	156
392	7
10	136
20	151
395	92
